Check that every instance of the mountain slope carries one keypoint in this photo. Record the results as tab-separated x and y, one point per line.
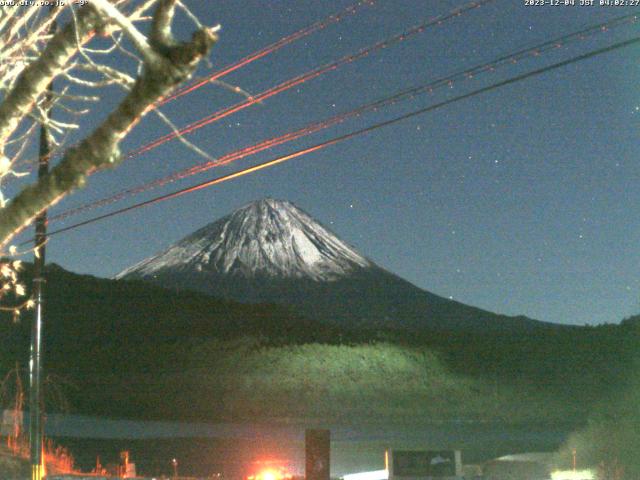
268	238
133	349
116	348
271	251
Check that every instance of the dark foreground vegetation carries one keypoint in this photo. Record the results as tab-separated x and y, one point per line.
129	349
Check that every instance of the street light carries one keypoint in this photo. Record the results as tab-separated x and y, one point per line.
174	462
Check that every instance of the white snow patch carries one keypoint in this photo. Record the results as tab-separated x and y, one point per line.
264	238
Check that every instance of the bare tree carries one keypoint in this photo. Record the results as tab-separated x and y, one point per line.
80	56
31	58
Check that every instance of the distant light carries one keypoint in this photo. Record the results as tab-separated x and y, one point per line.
271	474
573	475
375	475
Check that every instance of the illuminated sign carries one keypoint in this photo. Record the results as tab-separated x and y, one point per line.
573	475
425	464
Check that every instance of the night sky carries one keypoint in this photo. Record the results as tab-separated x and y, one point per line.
524	200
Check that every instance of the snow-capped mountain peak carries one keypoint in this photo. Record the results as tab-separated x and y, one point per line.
266	238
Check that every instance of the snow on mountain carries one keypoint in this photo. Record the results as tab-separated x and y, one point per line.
266	238
270	251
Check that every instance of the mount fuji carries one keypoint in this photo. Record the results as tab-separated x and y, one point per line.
270	251
265	239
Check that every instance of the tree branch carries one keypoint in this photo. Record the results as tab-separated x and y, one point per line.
100	149
129	29
35	78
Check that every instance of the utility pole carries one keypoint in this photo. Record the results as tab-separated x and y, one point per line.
36	427
35	360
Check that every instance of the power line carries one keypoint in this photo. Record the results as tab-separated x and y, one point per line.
347	136
410	93
331	19
310	75
319	25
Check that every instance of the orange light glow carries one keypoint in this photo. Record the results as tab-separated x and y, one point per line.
271	474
